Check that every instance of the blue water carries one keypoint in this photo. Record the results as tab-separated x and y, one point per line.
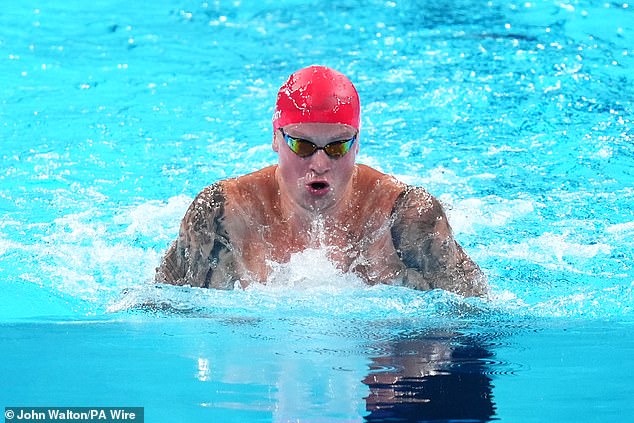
517	115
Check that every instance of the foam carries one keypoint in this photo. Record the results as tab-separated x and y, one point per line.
7	246
625	229
552	251
474	215
145	218
308	286
612	301
310	269
91	258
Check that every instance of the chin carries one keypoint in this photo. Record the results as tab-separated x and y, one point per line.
314	207
318	205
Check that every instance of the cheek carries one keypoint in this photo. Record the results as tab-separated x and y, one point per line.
290	167
345	167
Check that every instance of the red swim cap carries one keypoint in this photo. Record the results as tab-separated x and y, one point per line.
317	94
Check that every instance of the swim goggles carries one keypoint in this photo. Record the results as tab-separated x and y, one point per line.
305	148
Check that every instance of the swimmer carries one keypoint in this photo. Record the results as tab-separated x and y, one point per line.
317	196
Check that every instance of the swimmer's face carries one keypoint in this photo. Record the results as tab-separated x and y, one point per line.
318	181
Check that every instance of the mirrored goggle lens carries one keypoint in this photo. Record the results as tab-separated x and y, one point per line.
338	148
301	147
305	148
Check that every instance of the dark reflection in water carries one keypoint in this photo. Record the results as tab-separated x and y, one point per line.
430	377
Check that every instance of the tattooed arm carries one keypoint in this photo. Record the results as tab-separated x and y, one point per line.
201	256
425	244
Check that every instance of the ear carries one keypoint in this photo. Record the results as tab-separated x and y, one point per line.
275	145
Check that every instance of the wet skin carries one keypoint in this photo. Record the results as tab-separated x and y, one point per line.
368	222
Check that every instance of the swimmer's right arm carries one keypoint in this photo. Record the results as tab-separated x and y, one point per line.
201	255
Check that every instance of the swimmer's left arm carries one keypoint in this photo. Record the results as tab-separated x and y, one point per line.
432	257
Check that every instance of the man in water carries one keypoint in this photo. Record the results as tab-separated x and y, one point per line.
368	222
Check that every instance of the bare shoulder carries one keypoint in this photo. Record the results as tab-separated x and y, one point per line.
424	241
417	205
207	205
379	189
254	181
369	176
250	189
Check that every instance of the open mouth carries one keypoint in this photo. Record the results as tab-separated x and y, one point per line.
319	187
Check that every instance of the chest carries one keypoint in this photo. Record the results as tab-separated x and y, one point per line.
362	245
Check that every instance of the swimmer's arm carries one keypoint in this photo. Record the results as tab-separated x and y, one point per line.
201	255
432	257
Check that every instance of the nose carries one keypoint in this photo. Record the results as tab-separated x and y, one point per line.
320	163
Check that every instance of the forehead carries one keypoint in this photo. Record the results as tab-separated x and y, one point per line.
320	130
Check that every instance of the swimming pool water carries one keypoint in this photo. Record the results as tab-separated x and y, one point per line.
517	115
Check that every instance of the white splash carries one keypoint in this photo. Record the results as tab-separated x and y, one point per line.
553	251
310	269
471	215
143	219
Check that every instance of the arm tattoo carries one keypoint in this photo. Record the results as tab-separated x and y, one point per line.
423	241
202	254
415	234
